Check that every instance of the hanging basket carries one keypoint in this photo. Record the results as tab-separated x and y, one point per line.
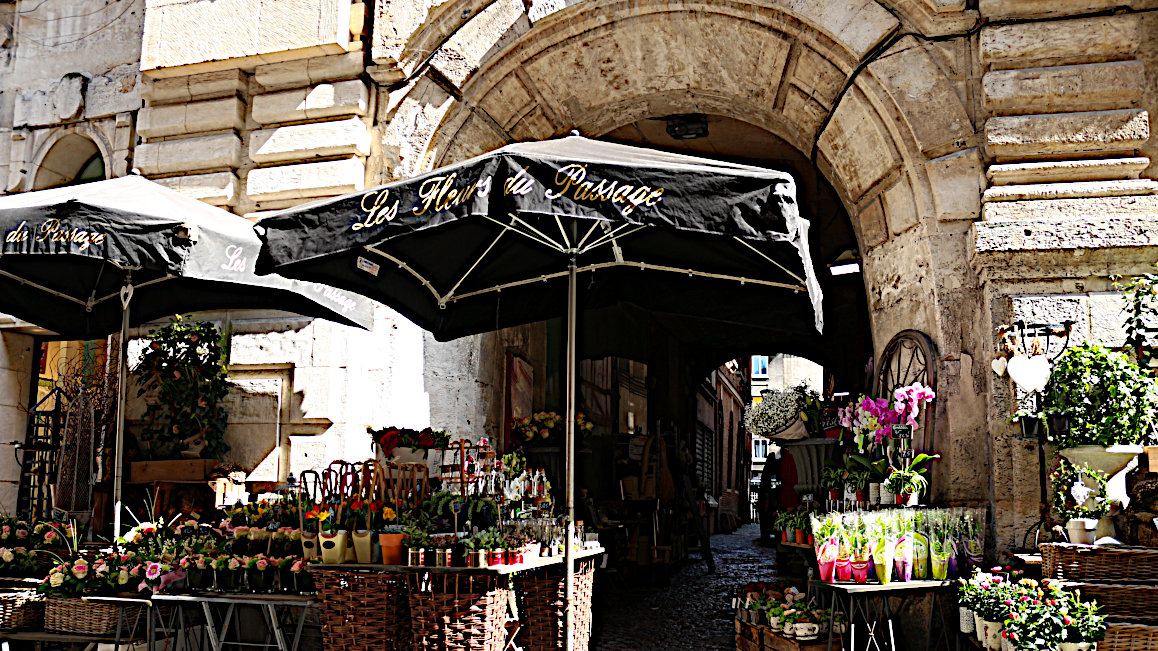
458	612
21	610
541	607
362	611
81	617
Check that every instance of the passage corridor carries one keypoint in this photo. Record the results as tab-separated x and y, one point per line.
694	612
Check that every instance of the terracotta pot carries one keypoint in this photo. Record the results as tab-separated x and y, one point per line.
784	536
391	544
800	538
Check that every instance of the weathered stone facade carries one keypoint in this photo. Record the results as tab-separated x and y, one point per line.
994	158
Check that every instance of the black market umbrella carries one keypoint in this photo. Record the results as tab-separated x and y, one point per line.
515	235
86	261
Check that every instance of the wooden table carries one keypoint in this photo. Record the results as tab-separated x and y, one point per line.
871	601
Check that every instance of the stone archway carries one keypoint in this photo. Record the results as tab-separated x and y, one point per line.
64	154
879	114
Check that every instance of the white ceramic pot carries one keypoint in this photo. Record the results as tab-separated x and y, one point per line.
1006	645
979	628
874	493
1078	646
887	496
807	631
840	628
789	630
965	617
1082	531
774	622
849	493
993	635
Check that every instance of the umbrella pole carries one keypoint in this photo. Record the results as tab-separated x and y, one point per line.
569	456
122	385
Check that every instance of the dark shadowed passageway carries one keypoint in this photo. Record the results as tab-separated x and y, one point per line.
694	611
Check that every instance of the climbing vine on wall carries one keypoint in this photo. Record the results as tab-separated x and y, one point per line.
182	370
1141	294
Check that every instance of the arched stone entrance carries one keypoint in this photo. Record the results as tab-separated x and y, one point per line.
71	155
881	116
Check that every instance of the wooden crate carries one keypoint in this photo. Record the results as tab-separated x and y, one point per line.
743	644
175	470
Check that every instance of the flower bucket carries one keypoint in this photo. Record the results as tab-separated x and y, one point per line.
920	556
260	581
363	546
309	545
228	580
993	635
965	619
940	567
1082	531
333	547
391	544
844	569
826	569
883	561
860	571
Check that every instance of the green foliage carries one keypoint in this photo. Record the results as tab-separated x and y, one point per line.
183	362
1141	294
910	479
1065	505
1106	397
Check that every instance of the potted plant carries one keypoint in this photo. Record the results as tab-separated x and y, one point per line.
359	516
908	482
259	573
799	522
303	580
198	573
992	609
832	478
806	627
858	481
788	622
406	445
1084	627
331	538
384	521
1100	406
227	572
417	543
1078	499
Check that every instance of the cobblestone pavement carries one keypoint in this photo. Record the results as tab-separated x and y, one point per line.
692	613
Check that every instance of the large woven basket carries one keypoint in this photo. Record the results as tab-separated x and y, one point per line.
1126	601
458	612
20	610
541	613
1104	564
361	611
81	617
1129	637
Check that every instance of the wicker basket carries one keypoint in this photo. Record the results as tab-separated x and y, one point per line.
362	611
81	617
1129	637
1125	601
1099	564
541	595
20	610
458	612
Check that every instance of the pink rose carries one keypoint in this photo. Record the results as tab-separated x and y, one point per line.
262	564
80	569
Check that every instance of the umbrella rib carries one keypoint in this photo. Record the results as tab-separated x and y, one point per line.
595	224
43	288
638	265
763	255
154	281
545	242
450	294
613	236
566	240
414	273
543	239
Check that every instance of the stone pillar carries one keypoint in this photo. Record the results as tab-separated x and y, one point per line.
15	378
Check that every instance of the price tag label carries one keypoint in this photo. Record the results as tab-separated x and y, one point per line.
902	431
457	506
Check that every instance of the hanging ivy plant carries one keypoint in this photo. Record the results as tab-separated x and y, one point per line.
1105	396
183	367
1141	295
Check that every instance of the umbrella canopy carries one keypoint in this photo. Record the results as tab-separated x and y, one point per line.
514	236
67	253
486	243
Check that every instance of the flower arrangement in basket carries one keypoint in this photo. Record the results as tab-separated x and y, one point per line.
389	438
546	428
18	562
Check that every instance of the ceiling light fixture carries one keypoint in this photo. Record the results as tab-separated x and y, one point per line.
687	126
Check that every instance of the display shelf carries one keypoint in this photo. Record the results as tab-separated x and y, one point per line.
534	564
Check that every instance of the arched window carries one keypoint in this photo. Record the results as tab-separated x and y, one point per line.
72	160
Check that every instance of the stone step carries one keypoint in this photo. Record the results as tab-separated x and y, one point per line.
1099	169
1074	189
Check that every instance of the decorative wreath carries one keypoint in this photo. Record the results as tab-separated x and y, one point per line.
1072	489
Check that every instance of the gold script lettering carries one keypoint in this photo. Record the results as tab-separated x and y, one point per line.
438	193
51	230
18	234
571	180
378	208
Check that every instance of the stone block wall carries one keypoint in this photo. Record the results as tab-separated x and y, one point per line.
15	377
